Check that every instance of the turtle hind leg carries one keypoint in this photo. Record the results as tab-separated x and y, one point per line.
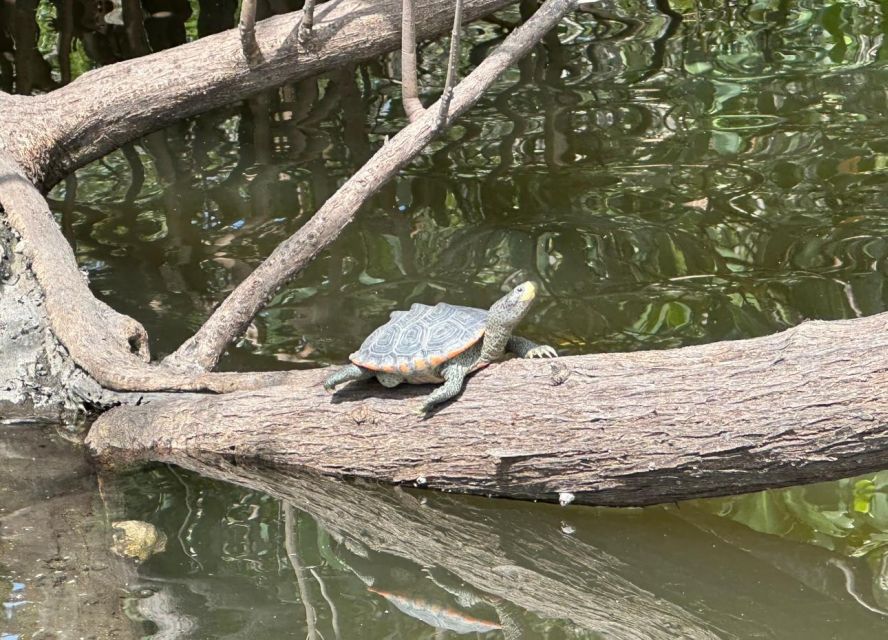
454	374
347	374
389	380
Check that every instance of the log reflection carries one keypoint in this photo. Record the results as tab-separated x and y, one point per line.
457	563
542	571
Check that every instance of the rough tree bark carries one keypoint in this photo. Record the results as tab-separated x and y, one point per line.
231	318
53	134
638	428
613	429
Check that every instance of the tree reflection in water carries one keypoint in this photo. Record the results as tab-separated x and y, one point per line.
667	181
450	562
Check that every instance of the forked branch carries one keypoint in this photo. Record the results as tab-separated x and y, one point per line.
409	74
235	313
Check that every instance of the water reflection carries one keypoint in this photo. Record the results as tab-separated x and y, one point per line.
670	175
308	555
250	552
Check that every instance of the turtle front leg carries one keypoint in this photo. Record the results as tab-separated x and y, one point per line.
524	348
454	374
347	374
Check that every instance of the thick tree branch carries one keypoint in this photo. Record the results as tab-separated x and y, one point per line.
808	404
111	347
235	313
52	135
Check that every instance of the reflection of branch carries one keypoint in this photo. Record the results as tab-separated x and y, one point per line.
292	546
137	172
571	579
234	314
186	520
334	614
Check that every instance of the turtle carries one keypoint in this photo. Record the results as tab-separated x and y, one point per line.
442	343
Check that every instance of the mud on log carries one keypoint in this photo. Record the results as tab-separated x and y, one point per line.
805	405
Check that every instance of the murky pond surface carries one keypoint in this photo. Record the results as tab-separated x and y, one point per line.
670	175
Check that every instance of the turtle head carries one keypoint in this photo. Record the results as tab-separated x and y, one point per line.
508	310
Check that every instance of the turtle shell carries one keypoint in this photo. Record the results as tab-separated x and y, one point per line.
421	339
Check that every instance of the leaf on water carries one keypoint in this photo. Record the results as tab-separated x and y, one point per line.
864	491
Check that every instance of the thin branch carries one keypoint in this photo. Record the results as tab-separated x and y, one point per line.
409	81
247	28
236	312
307	23
452	64
291	544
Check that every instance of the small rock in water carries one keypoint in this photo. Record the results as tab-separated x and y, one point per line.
565	498
421	481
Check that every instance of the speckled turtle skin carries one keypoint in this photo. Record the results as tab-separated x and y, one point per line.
443	343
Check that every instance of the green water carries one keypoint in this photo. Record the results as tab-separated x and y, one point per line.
670	176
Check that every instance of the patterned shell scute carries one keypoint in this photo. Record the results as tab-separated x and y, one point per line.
421	339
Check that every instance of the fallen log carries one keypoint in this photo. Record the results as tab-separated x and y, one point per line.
805	405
